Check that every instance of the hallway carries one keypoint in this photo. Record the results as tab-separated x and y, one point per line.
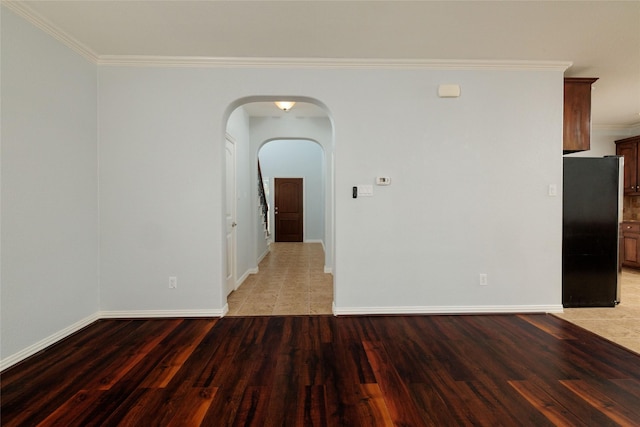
291	281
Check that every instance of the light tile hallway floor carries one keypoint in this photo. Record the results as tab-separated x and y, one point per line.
619	324
290	281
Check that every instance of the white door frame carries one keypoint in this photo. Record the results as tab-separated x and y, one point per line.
230	214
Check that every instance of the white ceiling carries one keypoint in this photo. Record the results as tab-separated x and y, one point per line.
601	38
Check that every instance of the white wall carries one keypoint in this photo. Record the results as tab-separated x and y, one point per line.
49	188
469	192
298	159
161	185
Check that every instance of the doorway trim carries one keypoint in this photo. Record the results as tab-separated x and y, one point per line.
231	217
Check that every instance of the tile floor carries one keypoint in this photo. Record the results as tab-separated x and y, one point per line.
619	324
290	281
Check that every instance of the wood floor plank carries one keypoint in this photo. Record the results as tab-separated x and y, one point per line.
143	406
401	408
131	359
435	410
200	358
71	412
551	328
441	401
193	407
327	371
631	386
253	406
372	408
340	389
535	351
559	411
178	355
126	393
312	409
285	393
267	352
623	415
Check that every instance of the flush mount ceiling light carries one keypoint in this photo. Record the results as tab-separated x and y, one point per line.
285	105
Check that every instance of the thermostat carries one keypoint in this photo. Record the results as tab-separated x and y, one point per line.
383	180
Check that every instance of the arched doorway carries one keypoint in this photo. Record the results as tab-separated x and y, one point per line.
256	123
294	169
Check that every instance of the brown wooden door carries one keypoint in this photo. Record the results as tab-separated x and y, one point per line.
288	209
629	150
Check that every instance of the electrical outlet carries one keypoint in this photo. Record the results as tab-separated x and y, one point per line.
484	281
173	282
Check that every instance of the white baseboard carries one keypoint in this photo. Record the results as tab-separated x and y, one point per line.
245	275
126	314
241	279
317	241
46	342
474	309
326	268
261	257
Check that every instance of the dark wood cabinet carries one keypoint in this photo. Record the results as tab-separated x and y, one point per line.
628	148
630	244
577	114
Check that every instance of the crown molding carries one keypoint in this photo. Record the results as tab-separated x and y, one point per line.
24	11
336	63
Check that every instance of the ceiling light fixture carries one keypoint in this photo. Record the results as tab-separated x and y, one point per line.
285	105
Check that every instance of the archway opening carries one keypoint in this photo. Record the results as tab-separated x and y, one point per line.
297	143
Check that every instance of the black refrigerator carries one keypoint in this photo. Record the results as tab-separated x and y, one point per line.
591	217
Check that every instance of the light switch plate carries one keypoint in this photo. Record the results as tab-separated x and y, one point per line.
365	190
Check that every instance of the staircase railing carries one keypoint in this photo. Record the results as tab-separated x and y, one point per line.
264	206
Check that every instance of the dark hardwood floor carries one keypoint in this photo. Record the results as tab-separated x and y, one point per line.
531	370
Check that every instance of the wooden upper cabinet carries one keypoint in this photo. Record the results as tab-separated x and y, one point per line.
577	114
630	150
